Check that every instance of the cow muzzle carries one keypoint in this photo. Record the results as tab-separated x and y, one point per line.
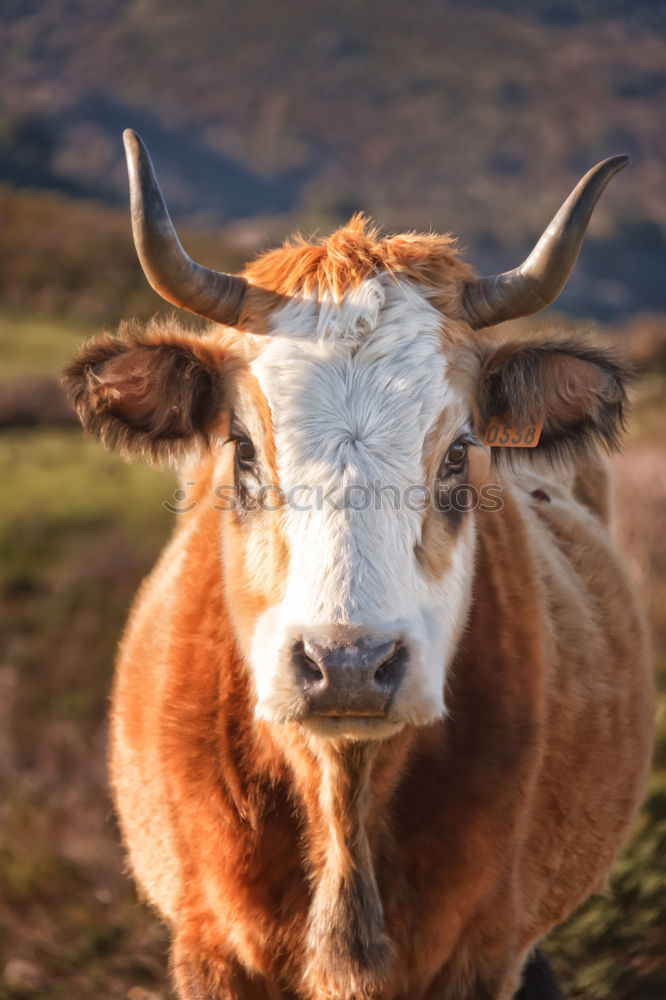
347	679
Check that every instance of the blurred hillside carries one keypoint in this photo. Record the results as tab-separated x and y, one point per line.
264	115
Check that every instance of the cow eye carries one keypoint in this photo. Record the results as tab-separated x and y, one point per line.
454	460
246	454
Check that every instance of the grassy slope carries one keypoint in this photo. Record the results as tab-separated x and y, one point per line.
78	529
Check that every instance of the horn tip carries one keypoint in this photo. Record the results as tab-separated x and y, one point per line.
132	141
618	162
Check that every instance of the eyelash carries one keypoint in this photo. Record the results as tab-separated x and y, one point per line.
238	437
451	468
466	439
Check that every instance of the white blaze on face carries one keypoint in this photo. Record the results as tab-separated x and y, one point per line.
354	391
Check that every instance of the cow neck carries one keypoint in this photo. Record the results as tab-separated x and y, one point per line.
344	790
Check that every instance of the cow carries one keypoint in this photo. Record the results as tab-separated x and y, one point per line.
382	711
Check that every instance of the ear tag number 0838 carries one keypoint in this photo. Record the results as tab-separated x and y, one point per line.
501	433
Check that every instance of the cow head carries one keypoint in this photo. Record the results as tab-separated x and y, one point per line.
340	401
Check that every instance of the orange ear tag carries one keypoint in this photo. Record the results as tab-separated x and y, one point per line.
501	433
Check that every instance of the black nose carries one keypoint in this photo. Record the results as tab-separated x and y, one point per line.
351	678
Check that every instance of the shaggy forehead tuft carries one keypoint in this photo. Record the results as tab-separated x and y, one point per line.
356	384
336	265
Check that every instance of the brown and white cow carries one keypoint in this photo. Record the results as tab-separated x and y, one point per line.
370	749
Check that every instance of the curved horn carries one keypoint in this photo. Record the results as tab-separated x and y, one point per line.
541	277
169	270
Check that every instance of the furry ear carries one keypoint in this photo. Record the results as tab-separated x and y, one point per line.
152	392
577	388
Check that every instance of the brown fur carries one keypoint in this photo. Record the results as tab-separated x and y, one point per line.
427	866
483	832
355	252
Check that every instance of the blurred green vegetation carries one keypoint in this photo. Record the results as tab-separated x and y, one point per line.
75	259
78	530
37	344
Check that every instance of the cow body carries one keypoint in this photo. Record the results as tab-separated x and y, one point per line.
482	830
375	751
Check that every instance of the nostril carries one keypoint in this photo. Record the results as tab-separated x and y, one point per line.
389	673
310	671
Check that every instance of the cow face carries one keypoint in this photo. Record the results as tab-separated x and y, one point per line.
335	441
367	431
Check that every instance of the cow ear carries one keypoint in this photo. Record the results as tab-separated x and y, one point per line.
574	387
152	393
